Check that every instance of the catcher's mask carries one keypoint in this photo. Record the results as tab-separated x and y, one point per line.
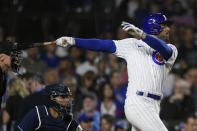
9	48
16	59
63	91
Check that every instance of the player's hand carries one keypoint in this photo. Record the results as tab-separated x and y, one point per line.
132	30
5	62
65	41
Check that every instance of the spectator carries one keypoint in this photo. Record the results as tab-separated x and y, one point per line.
102	76
86	122
109	104
27	80
133	5
37	83
188	50
77	96
119	88
36	98
177	106
142	11
190	123
107	122
169	84
119	127
51	76
49	57
155	6
107	6
65	68
89	64
17	92
87	82
76	55
32	63
89	109
191	78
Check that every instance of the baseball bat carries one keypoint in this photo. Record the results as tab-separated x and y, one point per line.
7	47
23	46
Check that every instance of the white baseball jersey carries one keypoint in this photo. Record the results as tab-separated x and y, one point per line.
147	71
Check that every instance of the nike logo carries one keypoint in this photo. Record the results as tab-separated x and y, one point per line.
139	46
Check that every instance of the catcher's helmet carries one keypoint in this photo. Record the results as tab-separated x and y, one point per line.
151	24
57	90
52	91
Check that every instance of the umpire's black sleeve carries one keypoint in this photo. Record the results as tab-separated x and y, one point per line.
3	81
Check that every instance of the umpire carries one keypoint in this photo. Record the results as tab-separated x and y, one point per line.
56	116
9	59
4	66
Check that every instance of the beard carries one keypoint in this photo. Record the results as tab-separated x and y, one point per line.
164	37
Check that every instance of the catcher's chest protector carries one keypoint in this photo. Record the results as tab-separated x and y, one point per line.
48	123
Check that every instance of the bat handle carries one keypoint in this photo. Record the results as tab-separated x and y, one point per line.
49	43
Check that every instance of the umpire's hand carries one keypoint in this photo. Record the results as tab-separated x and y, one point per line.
5	62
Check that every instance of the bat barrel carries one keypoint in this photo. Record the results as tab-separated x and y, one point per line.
24	46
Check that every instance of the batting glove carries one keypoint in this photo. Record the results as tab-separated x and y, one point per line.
132	30
65	41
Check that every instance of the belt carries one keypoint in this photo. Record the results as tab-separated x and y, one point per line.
153	96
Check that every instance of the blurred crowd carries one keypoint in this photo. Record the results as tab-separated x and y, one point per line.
98	81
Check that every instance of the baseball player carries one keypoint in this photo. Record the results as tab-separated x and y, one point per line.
149	59
56	116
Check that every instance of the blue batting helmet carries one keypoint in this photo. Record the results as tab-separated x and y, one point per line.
151	24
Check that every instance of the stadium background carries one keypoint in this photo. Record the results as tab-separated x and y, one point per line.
95	74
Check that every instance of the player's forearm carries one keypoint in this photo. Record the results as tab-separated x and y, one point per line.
158	45
96	45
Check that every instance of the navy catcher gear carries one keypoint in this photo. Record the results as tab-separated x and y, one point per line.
55	90
40	119
151	24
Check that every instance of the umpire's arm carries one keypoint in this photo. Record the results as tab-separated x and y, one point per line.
30	122
3	82
5	63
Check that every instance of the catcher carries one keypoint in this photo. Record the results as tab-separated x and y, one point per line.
56	116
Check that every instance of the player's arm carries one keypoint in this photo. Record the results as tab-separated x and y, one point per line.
96	45
153	42
29	122
90	44
159	45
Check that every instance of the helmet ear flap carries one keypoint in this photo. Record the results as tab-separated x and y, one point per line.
153	29
151	24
